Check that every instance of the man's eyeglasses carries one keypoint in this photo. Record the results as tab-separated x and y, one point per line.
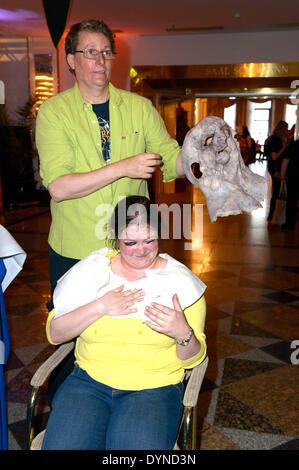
93	54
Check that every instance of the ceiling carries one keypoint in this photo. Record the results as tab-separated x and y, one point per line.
158	17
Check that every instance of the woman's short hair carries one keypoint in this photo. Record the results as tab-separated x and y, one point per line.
135	210
92	26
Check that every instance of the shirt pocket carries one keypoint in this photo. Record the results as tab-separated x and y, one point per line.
132	143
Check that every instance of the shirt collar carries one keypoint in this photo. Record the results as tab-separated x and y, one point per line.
114	96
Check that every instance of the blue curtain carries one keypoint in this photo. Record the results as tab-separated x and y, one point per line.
4	353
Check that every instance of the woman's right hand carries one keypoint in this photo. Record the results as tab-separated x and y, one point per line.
119	302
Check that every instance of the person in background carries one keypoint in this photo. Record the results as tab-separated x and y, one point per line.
274	147
291	133
247	146
139	318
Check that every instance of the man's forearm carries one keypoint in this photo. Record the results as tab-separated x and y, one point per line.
81	184
77	185
179	166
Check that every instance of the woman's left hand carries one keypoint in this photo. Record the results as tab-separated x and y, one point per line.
171	322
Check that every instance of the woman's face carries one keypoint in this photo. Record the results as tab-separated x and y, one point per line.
138	246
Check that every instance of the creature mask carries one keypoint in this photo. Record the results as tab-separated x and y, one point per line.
228	185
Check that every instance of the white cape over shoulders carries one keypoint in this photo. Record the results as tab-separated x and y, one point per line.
92	277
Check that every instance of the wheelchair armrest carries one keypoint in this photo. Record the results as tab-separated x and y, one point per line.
43	372
194	383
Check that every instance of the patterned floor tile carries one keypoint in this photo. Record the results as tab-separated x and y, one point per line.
243	306
233	413
294	291
18	431
249	440
237	369
245	282
216	275
214	313
29	353
13	444
281	350
278	278
24	309
279	320
18	389
30	330
257	355
258	341
13	362
227	307
273	394
209	438
292	444
222	345
241	327
282	297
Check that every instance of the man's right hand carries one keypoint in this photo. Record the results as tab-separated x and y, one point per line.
142	165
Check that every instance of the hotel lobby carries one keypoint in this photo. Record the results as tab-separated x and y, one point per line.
250	266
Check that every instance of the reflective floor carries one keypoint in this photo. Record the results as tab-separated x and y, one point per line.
251	269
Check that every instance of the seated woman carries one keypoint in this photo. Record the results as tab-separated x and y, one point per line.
139	317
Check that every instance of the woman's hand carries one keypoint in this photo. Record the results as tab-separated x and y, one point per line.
171	322
119	302
115	302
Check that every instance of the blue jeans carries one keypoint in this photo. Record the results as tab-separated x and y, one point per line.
88	415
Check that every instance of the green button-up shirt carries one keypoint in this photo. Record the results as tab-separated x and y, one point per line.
69	141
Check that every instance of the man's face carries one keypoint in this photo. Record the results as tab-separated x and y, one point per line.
91	74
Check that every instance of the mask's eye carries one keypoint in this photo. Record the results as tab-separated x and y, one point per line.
208	140
226	130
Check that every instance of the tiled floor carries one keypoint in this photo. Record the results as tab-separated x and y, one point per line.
248	399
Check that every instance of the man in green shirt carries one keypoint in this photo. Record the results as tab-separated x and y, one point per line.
96	144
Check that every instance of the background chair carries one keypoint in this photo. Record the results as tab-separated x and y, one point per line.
187	432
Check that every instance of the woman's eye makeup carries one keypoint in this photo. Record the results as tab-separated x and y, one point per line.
132	243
